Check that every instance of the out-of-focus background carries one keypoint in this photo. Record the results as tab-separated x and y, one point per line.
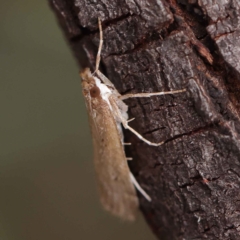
47	188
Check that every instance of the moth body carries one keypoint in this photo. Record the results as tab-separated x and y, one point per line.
117	192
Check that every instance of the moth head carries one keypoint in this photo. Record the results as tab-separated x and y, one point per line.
93	87
87	80
94	92
85	74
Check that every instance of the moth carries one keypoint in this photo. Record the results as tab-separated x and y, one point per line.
107	114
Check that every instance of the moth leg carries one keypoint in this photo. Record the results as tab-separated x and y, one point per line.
133	95
126	126
139	188
105	80
129	120
129	159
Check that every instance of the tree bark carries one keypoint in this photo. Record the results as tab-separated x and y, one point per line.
162	45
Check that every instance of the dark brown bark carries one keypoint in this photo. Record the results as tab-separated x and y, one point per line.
156	45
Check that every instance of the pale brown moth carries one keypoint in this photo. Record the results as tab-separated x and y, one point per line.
107	112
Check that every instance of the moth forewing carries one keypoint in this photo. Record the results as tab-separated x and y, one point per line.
117	192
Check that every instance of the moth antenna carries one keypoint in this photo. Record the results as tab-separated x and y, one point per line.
98	58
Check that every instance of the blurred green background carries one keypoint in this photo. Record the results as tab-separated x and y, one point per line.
47	188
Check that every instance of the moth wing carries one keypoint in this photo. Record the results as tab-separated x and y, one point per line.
117	193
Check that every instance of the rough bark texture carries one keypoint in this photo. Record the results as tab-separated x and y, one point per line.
156	45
